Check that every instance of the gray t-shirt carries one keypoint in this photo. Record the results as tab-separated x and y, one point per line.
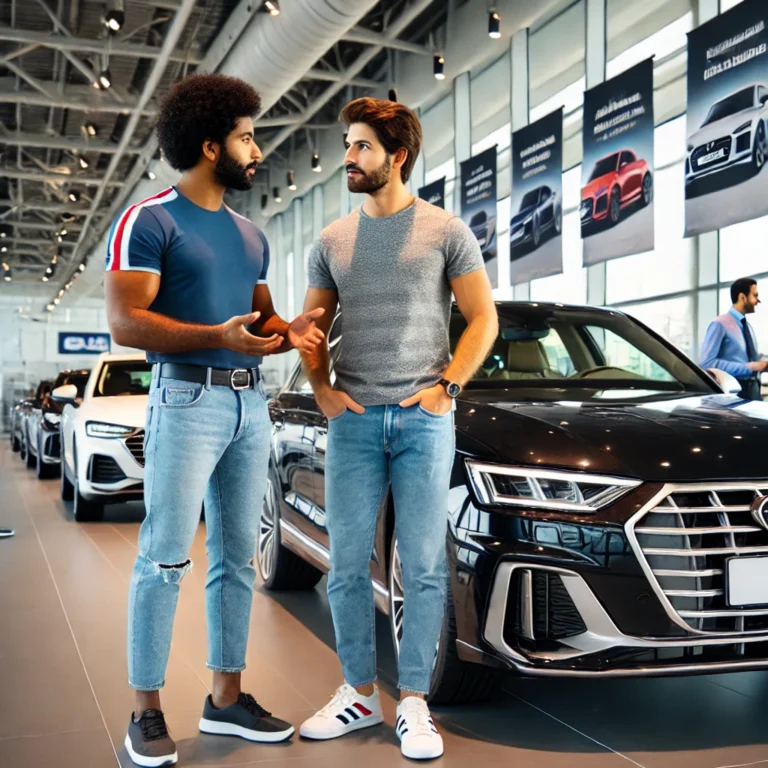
392	277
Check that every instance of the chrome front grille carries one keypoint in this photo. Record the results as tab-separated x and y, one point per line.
683	543
135	443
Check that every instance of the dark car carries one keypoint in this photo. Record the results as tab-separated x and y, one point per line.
608	510
541	211
484	229
42	427
19	412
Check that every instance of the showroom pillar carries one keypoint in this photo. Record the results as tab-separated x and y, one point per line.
298	283
318	210
595	74
707	246
519	111
462	130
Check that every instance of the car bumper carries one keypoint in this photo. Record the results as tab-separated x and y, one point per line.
520	234
111	467
51	447
734	158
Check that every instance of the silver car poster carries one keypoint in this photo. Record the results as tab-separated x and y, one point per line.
434	193
536	223
478	206
727	129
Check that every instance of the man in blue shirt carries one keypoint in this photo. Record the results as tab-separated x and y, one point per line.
186	281
730	341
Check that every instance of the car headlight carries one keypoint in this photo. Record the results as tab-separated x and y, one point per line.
499	485
52	419
101	429
527	219
744	127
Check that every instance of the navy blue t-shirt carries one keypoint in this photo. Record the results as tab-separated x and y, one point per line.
209	263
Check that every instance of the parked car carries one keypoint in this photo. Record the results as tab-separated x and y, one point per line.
102	457
608	508
19	412
484	229
43	448
617	181
733	133
541	211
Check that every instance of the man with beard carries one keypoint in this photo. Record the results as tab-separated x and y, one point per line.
391	266
186	281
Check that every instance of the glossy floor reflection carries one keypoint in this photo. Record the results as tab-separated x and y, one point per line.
64	699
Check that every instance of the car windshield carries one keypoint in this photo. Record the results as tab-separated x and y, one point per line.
121	378
529	199
545	353
606	165
78	378
731	105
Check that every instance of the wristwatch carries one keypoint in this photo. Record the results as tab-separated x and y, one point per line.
453	389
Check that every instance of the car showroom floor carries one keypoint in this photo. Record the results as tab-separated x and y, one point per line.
64	701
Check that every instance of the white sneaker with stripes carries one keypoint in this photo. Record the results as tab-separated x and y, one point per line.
347	711
419	739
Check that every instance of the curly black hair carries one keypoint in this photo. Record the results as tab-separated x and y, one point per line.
202	108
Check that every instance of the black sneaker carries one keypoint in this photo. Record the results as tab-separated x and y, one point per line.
148	742
245	719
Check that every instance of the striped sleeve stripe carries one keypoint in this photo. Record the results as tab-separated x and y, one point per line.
118	252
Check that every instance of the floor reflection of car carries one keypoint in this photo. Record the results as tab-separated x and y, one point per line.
103	436
483	228
607	512
19	413
42	436
617	181
733	133
541	211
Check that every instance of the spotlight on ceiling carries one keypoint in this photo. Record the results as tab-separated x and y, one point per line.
316	167
438	67
151	175
81	268
392	95
291	181
276	195
264	201
114	18
494	25
45	278
50	307
63	232
105	80
74	196
7	273
4	249
56	301
273	6
84	163
90	129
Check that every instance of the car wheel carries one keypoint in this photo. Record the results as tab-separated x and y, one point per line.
29	457
536	231
280	569
647	195
85	511
758	153
22	447
454	681
614	210
44	471
558	220
67	490
15	442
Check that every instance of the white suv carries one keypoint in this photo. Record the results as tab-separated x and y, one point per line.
102	438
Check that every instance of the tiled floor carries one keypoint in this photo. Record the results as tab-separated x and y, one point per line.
64	700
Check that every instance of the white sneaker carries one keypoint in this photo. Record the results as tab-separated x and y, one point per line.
419	739
347	711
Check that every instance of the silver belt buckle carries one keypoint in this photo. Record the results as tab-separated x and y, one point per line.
235	373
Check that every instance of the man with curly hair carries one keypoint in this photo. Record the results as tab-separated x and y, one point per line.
186	281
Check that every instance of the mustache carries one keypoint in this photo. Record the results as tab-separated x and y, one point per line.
353	167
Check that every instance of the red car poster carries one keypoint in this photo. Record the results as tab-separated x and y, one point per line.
617	169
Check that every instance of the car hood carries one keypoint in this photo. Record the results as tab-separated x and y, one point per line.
591	189
724	127
523	213
715	437
127	411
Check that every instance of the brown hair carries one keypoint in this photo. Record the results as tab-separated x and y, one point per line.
396	127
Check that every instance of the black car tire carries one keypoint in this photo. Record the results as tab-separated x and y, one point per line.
29	456
759	150
44	471
558	222
22	446
15	442
536	231
66	489
279	568
454	681
85	511
646	195
614	207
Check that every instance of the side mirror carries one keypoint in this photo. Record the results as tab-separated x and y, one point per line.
725	381
66	394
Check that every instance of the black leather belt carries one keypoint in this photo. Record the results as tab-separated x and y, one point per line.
237	378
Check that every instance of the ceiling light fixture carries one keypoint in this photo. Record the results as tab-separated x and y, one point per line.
45	278
264	201
56	301
276	195
291	181
90	129
494	25
81	268
438	67
115	16
74	196
50	307
105	80
316	167
151	175
273	6
84	163
4	249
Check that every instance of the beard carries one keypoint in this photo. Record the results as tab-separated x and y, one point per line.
369	183
230	174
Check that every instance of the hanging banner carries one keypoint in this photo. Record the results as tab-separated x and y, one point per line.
725	181
536	226
434	193
478	206
617	169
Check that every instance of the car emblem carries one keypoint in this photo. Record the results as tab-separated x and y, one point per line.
760	511
710	146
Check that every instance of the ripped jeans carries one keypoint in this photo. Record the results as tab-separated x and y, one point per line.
201	444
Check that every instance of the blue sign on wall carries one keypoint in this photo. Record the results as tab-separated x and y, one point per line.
83	343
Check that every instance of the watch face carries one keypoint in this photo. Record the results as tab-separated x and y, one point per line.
454	390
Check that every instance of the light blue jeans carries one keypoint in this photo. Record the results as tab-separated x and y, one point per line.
201	444
411	451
